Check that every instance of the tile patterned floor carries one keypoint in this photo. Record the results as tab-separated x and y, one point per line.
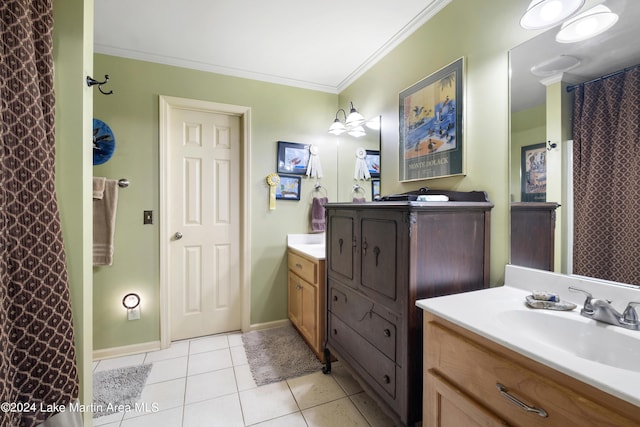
207	382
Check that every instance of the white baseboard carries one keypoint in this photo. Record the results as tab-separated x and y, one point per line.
127	350
268	325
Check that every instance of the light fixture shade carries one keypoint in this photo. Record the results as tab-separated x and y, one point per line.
589	24
547	13
337	128
354	118
357	131
131	301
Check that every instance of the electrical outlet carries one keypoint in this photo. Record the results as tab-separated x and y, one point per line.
133	314
147	217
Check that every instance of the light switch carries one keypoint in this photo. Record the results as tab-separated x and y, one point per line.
147	217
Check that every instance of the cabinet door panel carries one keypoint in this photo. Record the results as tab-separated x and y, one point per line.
379	252
341	247
447	406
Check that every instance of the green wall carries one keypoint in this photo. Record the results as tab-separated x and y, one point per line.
527	127
73	61
482	32
277	113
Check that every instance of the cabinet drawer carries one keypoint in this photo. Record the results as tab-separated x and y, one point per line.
303	267
362	316
477	370
370	361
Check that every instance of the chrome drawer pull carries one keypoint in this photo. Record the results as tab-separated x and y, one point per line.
505	392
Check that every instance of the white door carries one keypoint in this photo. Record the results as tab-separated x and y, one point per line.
203	217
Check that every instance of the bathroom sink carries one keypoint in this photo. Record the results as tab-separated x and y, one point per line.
584	338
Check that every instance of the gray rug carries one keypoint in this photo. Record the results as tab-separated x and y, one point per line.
277	354
116	389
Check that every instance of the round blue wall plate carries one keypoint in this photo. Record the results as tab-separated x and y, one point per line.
104	143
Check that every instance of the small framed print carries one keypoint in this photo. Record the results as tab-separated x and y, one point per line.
293	158
288	188
533	172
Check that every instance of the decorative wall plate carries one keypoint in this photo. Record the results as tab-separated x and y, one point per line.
104	143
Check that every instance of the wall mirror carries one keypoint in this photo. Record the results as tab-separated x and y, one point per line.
346	160
531	111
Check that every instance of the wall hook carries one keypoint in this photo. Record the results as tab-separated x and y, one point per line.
92	82
551	145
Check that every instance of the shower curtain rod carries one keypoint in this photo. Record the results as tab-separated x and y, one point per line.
606	76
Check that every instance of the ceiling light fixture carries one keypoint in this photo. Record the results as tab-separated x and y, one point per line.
556	65
547	13
352	123
588	24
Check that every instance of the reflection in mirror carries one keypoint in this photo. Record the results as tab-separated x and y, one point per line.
541	108
348	147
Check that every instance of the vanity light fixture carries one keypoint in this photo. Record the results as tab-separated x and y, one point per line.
588	24
547	13
352	123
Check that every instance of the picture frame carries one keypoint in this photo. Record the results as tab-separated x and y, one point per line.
533	173
293	158
375	189
289	188
431	125
373	163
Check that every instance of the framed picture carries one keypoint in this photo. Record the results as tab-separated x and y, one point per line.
288	188
533	173
293	158
375	189
431	112
373	163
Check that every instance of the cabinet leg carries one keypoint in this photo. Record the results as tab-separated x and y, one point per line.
327	362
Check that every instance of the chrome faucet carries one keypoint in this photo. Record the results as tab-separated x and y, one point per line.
603	311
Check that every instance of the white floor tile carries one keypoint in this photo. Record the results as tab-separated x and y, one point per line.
216	342
170	369
219	412
210	385
165	395
371	411
267	402
315	389
235	339
209	361
168	418
244	378
107	420
239	356
341	413
291	420
344	378
177	349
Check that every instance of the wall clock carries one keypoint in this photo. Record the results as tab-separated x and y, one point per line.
104	143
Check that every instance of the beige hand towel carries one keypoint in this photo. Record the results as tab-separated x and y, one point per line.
104	222
98	187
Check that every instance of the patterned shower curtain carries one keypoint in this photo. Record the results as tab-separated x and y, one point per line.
606	133
37	362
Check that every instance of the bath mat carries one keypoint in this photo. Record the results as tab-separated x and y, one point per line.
277	354
116	390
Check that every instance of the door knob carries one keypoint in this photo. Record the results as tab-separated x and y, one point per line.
178	235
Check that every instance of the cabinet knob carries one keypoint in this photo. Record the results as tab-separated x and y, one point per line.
335	332
387	333
386	379
299	266
335	297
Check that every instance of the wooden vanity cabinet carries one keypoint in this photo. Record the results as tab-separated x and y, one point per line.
462	371
306	292
533	227
381	258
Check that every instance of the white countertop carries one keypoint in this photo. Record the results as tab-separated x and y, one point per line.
479	312
311	245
